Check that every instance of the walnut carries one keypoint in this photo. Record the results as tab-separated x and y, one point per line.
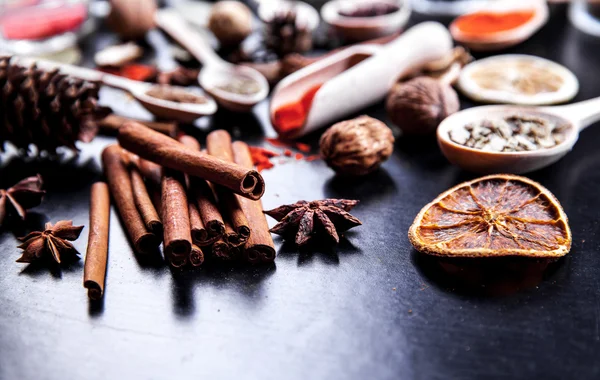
357	146
230	22
419	105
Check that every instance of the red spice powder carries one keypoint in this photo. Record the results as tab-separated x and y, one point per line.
277	143
261	157
132	71
303	147
138	72
313	158
287	153
299	156
36	23
481	23
291	117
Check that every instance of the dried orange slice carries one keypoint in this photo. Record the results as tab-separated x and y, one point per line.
497	215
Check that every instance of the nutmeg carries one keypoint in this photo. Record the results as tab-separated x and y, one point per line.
419	105
230	22
358	146
131	19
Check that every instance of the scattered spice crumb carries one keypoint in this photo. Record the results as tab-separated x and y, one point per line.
303	147
277	143
410	310
262	156
394	289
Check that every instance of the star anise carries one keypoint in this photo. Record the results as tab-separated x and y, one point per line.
307	220
24	195
52	241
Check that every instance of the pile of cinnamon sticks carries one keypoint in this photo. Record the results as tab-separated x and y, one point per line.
198	203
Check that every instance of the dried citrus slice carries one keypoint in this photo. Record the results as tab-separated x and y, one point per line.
518	79
497	215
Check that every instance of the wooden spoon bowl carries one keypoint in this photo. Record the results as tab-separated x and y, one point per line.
505	39
575	117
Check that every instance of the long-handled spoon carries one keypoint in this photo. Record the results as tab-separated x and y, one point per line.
216	73
167	109
574	117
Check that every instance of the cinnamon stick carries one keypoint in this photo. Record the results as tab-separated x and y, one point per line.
150	171
176	218
94	272
260	245
169	153
218	144
196	256
202	195
221	250
112	123
143	202
232	237
119	181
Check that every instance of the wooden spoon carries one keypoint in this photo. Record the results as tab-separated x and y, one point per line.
216	72
576	117
505	39
166	109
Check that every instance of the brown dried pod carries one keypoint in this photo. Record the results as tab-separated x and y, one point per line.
419	105
230	22
357	146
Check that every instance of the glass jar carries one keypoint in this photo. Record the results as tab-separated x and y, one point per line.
41	27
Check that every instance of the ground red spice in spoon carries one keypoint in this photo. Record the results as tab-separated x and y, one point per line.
483	23
291	117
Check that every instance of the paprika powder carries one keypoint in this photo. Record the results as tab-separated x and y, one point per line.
485	23
291	117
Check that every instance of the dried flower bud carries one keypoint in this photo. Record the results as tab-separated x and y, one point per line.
357	146
419	105
230	22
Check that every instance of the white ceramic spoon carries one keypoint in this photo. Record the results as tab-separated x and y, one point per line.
169	110
576	116
215	72
503	40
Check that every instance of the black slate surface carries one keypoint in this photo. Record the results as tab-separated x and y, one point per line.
374	309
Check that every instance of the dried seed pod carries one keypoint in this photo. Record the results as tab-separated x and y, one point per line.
357	146
419	105
230	22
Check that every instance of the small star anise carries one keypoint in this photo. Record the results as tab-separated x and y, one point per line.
306	220
53	240
24	195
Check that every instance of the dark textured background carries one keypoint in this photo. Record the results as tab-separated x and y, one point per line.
374	309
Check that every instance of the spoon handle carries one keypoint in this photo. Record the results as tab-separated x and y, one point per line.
174	25
583	113
84	73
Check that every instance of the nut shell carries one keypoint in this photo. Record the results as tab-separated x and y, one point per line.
358	146
419	105
230	22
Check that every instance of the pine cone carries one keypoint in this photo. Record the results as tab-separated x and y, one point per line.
45	108
285	36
